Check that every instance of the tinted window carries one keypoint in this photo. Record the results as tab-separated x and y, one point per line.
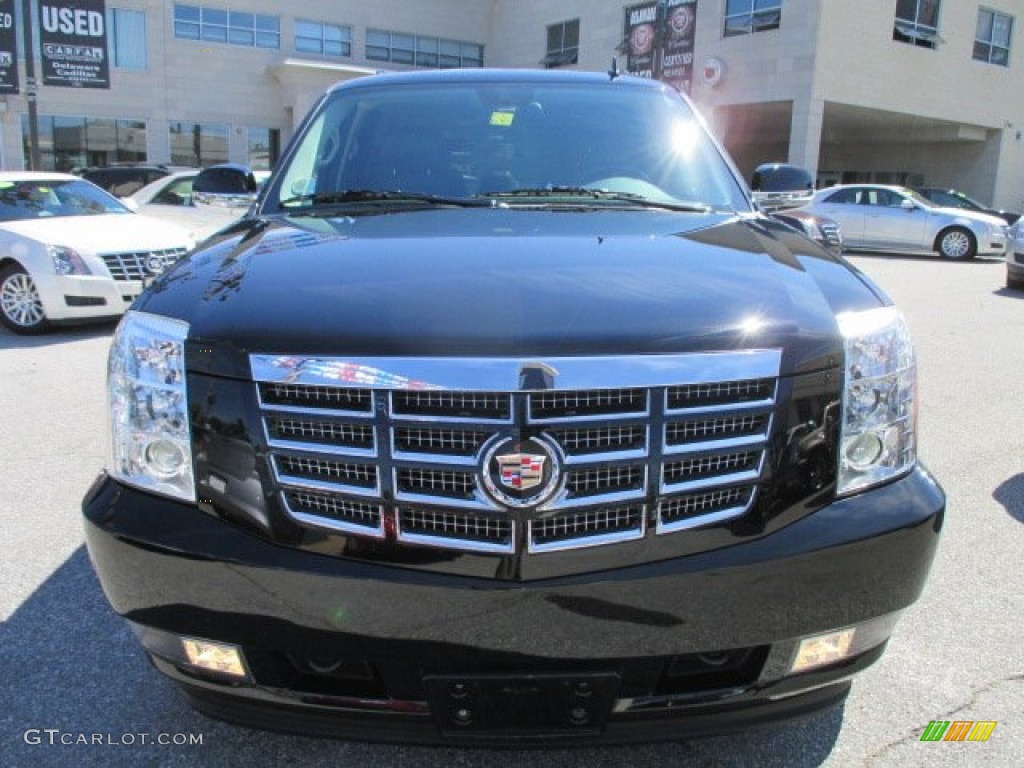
224	181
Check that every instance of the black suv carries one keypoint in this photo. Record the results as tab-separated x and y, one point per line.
125	179
505	417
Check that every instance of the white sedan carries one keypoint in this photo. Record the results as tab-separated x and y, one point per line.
170	198
71	252
881	217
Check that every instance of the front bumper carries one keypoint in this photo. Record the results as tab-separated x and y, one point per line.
85	297
339	647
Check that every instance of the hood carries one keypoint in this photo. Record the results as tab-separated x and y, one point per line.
103	233
510	283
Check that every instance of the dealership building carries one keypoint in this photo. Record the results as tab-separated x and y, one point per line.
902	91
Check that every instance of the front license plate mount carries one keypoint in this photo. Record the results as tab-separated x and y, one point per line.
522	705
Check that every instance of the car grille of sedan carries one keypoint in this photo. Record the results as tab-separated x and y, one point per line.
380	460
830	231
138	265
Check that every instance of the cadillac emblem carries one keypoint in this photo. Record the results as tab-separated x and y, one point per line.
520	473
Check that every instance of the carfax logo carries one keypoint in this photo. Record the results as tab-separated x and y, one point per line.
958	730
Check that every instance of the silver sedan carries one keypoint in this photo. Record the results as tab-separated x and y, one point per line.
880	217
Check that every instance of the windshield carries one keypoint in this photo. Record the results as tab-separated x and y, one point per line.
514	143
46	198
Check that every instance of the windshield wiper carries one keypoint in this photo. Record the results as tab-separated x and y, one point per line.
594	193
344	196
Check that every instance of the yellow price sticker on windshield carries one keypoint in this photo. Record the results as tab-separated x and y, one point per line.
503	119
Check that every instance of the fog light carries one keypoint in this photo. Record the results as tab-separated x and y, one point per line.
822	649
864	450
222	658
165	458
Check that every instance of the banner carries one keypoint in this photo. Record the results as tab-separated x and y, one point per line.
8	48
659	40
640	33
677	43
73	43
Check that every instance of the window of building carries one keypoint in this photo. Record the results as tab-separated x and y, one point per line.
400	48
322	39
127	33
216	25
992	38
917	23
264	148
69	142
563	44
744	17
198	144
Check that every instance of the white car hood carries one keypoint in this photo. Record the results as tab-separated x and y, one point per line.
103	233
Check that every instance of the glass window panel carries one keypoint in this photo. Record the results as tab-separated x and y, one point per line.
268	23
186	30
982	51
378	38
1001	30
734	7
401	57
186	12
426	59
236	19
737	25
983	30
128	38
928	13
1000	56
214	34
450	62
335	49
472	50
405	42
268	40
214	16
760	5
307	28
451	47
572	34
308	45
377	53
554	38
241	37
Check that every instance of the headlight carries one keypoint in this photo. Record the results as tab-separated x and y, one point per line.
151	446
67	261
879	432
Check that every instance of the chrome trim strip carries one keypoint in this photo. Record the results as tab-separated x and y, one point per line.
752	405
304	483
746	441
479	502
320	448
420	460
264	406
571	420
561	501
335	525
582	542
443	542
582	459
737	478
518	375
696	522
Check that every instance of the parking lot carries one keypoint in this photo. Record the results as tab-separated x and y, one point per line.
71	669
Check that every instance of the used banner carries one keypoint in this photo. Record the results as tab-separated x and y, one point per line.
73	43
8	48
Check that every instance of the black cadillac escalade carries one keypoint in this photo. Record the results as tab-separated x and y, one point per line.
505	417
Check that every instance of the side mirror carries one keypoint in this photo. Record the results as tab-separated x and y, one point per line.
224	186
908	205
129	203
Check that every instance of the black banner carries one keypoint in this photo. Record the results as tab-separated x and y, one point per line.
8	48
677	43
641	30
659	41
73	43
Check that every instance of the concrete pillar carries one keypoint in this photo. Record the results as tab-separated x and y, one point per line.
805	133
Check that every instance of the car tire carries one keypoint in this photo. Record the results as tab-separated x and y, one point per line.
21	310
957	243
1014	283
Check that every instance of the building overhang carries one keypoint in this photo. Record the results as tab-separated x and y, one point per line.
304	80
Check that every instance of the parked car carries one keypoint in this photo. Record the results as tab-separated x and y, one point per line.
70	252
1015	257
591	452
781	185
172	197
123	179
951	198
824	231
880	217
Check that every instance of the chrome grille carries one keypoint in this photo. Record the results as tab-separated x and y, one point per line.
831	232
486	533
585	529
333	511
139	265
690	451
